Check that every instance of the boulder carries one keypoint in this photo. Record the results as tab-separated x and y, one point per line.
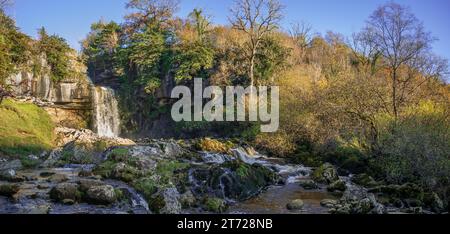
337	186
328	203
188	199
9	190
295	205
325	174
357	201
364	180
10	175
166	201
309	184
86	184
65	191
101	195
58	178
15	165
433	201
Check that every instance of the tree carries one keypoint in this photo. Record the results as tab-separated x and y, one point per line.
402	41
57	52
100	47
302	36
194	54
5	3
155	13
257	19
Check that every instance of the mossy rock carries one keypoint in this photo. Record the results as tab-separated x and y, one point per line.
215	146
405	191
364	180
326	174
337	186
9	190
295	205
241	181
216	205
66	191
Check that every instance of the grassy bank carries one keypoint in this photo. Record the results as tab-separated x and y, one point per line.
24	129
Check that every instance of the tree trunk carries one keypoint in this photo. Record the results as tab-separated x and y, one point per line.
394	93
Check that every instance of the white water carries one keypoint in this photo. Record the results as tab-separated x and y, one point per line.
106	112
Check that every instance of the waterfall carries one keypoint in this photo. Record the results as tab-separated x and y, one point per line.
106	112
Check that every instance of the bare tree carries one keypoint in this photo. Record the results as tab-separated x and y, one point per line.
302	34
148	12
257	19
5	3
401	39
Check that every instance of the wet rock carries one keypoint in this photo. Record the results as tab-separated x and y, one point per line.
328	203
9	190
325	174
309	184
41	209
68	202
65	191
295	205
166	202
101	195
85	173
364	180
337	186
124	172
86	184
404	192
43	186
433	201
47	174
216	205
14	165
58	178
234	180
188	199
10	175
357	201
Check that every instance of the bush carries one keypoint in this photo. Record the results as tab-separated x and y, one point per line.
416	147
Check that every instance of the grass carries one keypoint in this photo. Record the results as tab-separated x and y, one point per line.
24	129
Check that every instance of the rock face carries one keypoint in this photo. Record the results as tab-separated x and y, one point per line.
68	101
101	195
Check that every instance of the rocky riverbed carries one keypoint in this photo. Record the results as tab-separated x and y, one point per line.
89	174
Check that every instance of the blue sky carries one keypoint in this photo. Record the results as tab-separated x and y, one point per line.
71	19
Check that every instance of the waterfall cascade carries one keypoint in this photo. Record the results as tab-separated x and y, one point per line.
106	112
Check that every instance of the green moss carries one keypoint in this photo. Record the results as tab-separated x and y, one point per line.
146	186
28	162
105	169
24	129
215	205
119	155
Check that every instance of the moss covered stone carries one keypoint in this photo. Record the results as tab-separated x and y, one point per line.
216	205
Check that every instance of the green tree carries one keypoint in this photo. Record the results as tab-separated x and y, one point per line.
56	51
194	55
